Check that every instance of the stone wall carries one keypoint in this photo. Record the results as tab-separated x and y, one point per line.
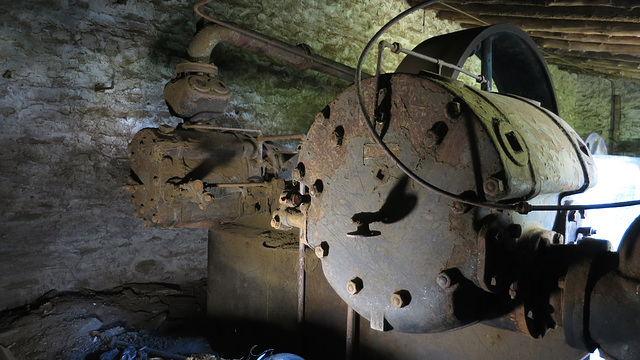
585	103
81	77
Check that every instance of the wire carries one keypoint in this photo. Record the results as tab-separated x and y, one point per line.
584	207
381	143
522	207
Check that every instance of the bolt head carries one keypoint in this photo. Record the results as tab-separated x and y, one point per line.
460	208
397	301
322	250
493	187
454	109
444	281
431	139
562	282
558	238
296	175
335	140
513	290
275	222
354	286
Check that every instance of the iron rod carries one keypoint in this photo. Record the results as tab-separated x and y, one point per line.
479	78
351	332
301	272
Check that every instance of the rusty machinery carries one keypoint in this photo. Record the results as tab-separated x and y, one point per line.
431	204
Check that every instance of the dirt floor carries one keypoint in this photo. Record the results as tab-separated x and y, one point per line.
132	321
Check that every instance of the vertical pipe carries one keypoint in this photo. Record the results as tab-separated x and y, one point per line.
352	325
613	117
301	272
487	63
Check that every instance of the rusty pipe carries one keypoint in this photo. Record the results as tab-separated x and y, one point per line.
298	57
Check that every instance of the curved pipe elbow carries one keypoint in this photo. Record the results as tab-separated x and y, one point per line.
207	39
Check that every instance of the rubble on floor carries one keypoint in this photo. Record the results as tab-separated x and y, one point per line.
133	321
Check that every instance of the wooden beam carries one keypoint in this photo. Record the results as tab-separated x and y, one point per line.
591	67
626	40
566	26
597	65
614	49
610	74
621	4
590	13
627	60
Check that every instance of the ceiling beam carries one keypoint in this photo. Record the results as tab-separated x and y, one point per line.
507	8
625	40
614	49
620	4
566	26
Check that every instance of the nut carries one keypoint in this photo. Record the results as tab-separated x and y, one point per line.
400	299
444	281
562	282
296	175
322	250
354	286
454	109
513	290
558	238
459	208
335	140
431	139
493	187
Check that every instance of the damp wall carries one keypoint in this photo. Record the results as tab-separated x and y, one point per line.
81	77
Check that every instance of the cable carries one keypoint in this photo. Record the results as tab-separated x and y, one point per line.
522	207
381	143
584	207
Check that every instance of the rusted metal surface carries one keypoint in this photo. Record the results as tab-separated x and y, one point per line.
539	152
614	310
361	185
630	251
517	65
573	306
302	246
193	178
418	263
614	302
196	92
